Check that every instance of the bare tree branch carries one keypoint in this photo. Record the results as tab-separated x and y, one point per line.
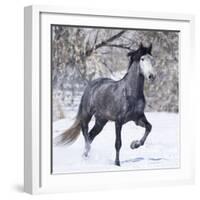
96	37
105	42
82	75
59	32
107	67
118	46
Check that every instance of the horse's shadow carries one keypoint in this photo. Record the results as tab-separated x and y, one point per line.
139	159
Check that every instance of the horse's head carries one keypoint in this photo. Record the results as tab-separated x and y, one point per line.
143	56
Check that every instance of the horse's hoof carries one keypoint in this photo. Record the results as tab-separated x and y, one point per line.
85	155
117	162
135	144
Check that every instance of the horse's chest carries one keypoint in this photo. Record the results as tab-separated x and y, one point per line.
135	107
139	106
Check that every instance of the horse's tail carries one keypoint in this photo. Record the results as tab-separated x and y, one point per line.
70	135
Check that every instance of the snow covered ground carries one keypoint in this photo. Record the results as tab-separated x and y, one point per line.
160	151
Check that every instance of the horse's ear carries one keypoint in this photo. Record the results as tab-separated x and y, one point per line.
130	53
141	45
150	48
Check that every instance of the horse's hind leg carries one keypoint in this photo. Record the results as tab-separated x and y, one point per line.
89	137
142	121
99	124
84	127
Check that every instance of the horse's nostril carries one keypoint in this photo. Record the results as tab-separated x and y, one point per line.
151	77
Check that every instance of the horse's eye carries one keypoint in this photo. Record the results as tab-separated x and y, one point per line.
142	59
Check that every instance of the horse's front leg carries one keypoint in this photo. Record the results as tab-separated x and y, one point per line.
118	141
142	121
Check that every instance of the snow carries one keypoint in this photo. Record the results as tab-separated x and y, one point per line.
160	151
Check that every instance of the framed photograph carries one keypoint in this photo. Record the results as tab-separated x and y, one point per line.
107	99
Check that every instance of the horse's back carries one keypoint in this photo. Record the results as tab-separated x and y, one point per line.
95	90
99	81
103	97
98	84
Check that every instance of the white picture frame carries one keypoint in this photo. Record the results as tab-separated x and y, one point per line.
37	149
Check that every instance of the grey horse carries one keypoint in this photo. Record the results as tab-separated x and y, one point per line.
119	101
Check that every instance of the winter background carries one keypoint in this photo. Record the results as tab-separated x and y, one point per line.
80	55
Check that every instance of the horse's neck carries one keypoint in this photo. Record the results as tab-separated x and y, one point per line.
134	82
